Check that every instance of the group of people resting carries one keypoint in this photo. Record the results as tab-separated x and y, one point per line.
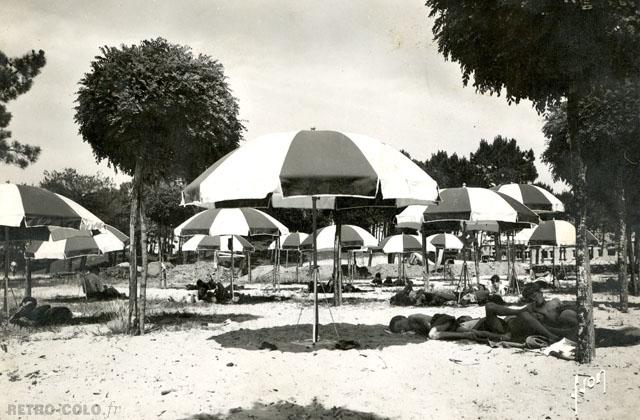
550	319
474	294
29	314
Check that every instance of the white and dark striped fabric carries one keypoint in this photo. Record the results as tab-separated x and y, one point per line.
243	222
66	243
24	206
557	233
403	243
291	241
536	198
351	236
217	243
445	241
287	169
410	217
477	205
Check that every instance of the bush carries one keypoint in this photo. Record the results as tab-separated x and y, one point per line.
118	312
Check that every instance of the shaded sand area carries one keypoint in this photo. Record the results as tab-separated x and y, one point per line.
204	361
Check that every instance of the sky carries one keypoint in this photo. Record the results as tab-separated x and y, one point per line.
362	66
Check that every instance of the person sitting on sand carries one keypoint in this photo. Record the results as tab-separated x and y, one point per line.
29	314
94	289
377	280
496	286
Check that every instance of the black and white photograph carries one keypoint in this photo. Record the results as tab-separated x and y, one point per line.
302	209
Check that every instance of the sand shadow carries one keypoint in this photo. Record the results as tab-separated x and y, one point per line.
623	337
164	319
615	304
297	338
287	410
79	299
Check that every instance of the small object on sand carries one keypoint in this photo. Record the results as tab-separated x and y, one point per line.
229	364
166	391
266	345
347	345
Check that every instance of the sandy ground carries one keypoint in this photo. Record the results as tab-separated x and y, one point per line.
203	361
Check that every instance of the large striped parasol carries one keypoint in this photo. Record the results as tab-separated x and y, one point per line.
478	205
445	241
536	198
243	222
287	169
351	236
24	206
67	243
218	243
403	243
290	241
557	233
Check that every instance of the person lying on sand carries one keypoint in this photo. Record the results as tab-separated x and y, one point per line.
518	324
29	314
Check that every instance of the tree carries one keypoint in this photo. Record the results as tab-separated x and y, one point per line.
503	162
155	111
544	51
16	78
162	204
451	171
97	193
609	135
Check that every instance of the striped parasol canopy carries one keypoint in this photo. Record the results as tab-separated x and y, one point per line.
67	243
411	217
243	222
291	241
445	240
351	237
24	206
344	170
522	237
478	205
557	233
403	243
217	243
536	198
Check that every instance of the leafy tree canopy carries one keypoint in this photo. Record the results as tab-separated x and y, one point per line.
97	193
16	78
503	162
159	105
538	50
163	204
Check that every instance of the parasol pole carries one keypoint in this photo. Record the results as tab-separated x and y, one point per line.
249	266
6	270
425	272
298	265
476	264
232	265
314	213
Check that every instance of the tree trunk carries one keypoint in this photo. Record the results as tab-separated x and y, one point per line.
631	256
586	350
145	257
133	263
621	244
636	282
27	277
160	252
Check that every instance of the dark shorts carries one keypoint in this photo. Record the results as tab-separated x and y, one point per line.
446	322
